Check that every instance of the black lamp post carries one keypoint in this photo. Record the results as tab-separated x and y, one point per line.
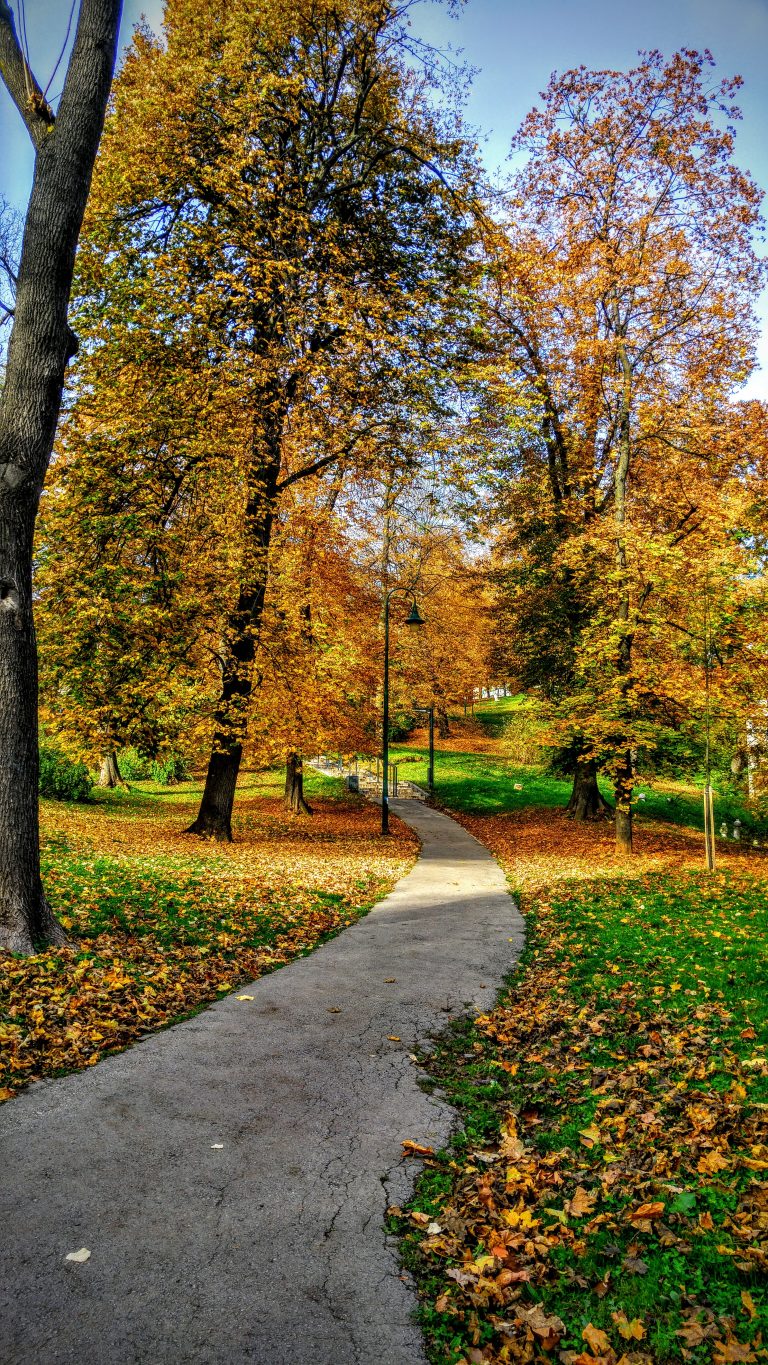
413	619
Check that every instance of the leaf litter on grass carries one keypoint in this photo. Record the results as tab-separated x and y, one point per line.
161	923
607	1201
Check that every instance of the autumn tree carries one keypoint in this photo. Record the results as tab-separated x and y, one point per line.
41	345
625	286
317	659
276	206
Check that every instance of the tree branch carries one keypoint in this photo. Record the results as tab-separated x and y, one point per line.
21	84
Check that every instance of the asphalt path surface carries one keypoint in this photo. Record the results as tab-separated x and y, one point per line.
230	1175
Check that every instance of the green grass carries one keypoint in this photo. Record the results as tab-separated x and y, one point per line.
652	1000
481	784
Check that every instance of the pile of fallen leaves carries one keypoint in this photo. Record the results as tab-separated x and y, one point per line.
609	1200
161	923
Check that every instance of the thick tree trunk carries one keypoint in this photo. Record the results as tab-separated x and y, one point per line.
109	772
214	818
39	349
443	728
587	801
26	921
294	786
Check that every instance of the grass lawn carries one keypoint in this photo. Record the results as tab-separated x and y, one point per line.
473	774
606	1199
161	922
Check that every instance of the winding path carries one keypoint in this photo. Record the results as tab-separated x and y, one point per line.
230	1175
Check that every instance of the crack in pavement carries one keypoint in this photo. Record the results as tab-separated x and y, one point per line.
272	1249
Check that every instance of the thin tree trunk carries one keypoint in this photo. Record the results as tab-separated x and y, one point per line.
109	772
294	786
443	728
40	346
623	793
624	779
587	801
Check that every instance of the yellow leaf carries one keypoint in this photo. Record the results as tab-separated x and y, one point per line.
598	1343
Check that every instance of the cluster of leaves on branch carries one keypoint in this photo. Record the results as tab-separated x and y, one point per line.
608	1200
158	927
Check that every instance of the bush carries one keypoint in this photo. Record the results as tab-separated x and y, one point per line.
134	767
400	726
61	778
169	770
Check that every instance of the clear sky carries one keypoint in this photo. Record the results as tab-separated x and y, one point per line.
514	46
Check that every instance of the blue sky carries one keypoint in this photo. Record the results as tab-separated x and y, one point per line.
515	45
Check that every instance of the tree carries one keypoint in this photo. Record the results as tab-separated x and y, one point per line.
41	345
625	293
277	201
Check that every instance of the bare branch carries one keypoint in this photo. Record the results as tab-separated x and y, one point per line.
20	82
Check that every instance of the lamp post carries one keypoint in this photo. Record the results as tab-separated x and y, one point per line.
414	619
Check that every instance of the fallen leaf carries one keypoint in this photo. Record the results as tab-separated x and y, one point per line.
581	1204
244	997
645	1211
629	1330
79	1256
217	1146
416	1149
748	1303
393	1038
597	1341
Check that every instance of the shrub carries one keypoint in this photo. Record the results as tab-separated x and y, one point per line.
134	767
169	770
62	778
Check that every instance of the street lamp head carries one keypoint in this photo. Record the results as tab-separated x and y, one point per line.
414	619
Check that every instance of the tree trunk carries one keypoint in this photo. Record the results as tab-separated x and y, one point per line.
625	773
214	818
294	786
40	346
443	728
109	772
26	921
623	794
587	801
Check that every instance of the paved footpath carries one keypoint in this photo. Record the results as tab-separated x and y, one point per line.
269	1247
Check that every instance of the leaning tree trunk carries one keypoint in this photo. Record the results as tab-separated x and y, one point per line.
214	818
587	801
443	728
294	786
109	772
41	345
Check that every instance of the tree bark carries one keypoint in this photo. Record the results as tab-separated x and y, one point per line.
109	773
624	780
294	786
587	801
214	818
443	728
40	346
623	792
